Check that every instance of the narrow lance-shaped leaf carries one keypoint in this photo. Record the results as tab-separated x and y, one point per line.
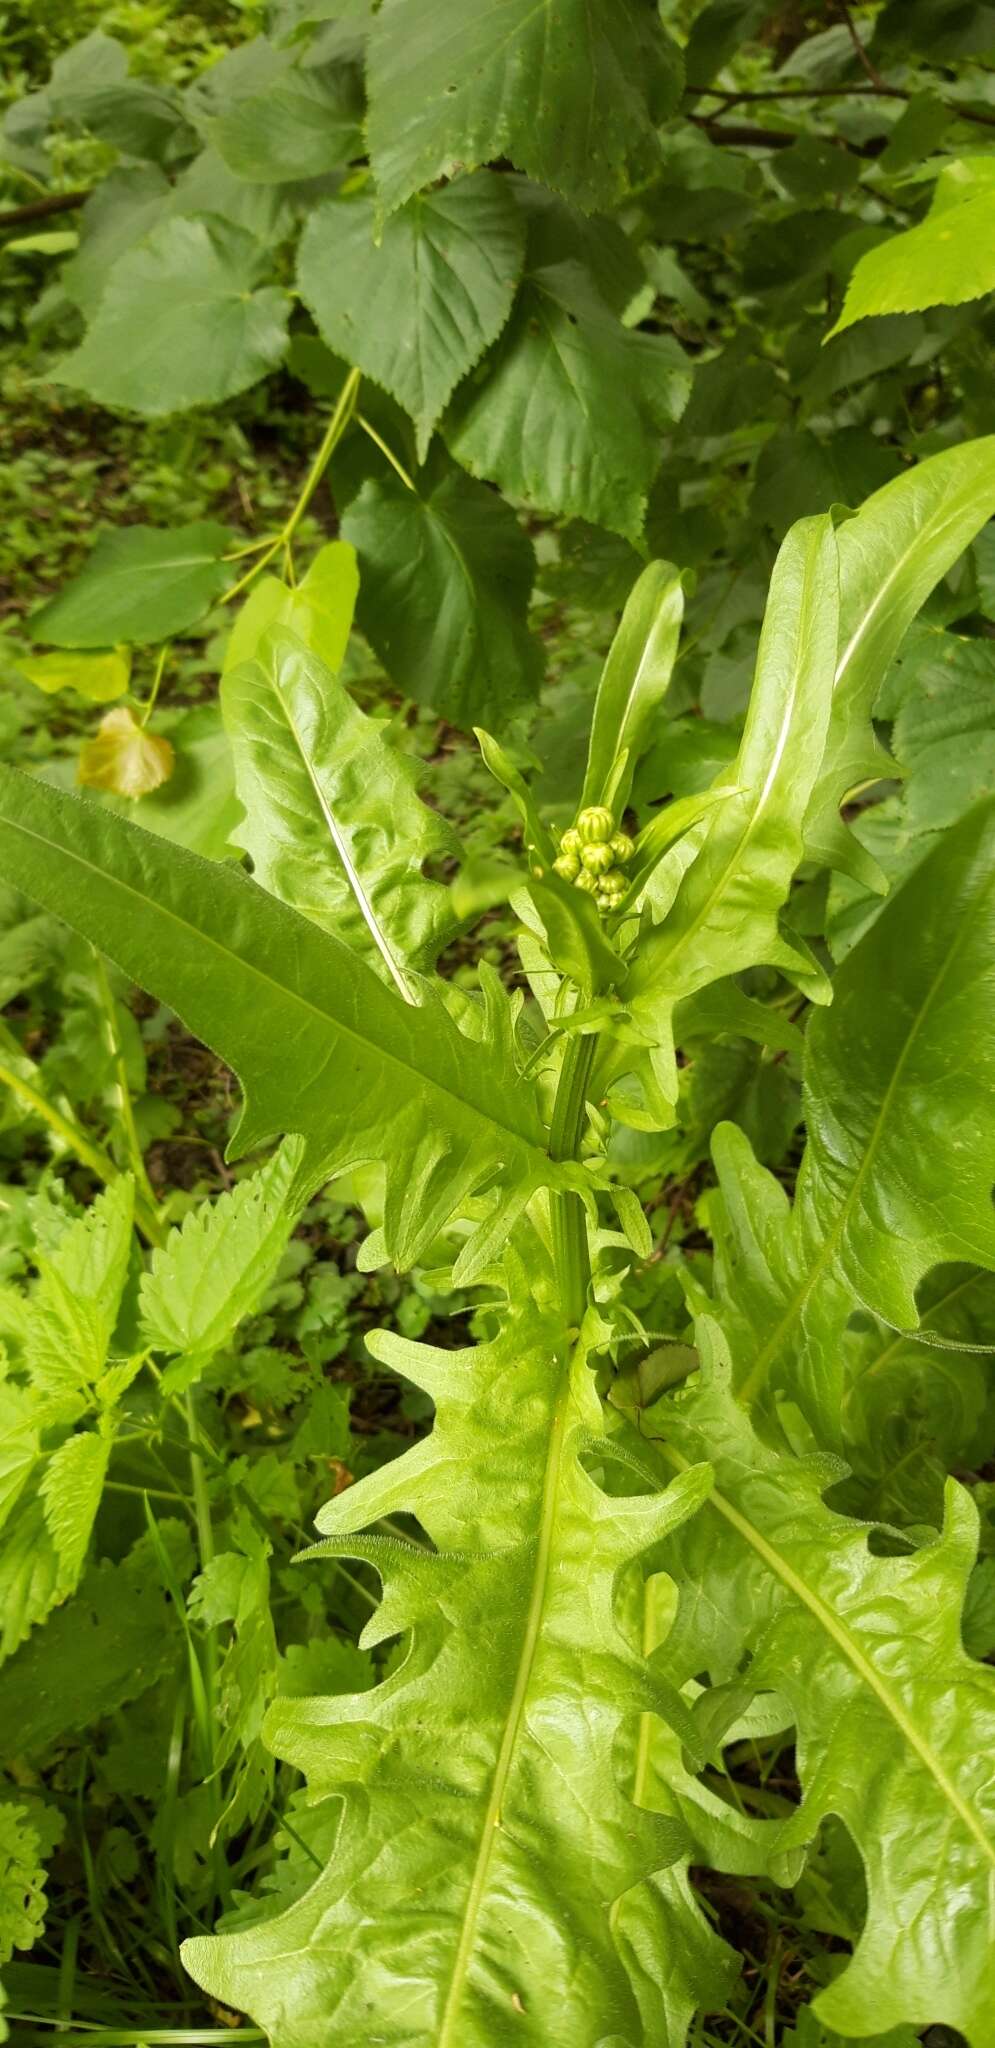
332	820
634	681
892	553
484	1832
320	1045
895	1109
895	1723
722	887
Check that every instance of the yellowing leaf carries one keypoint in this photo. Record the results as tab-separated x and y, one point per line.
98	677
124	758
319	609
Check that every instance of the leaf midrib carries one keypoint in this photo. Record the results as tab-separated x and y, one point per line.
845	1642
491	1826
346	1030
353	879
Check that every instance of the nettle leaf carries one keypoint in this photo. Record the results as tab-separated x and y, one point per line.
140	584
564	360
75	1305
125	758
892	553
29	1575
445	577
318	609
70	1490
512	1632
451	258
894	1109
895	1723
97	677
301	126
213	1271
182	322
320	1045
571	91
948	258
117	1637
332	820
722	886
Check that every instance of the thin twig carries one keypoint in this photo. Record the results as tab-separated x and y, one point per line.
40	209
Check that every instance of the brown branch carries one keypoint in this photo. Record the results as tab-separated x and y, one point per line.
39	209
771	138
802	92
863	59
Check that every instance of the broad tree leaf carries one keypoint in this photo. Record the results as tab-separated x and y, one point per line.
97	677
948	258
445	576
124	758
570	90
119	211
181	322
320	1045
318	609
895	1723
213	1271
512	1633
451	258
140	584
635	679
564	360
301	126
332	820
895	1109
892	553
717	895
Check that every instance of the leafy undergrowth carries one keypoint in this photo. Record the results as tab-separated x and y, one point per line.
460	1773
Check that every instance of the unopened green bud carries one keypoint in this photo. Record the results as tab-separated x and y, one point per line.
623	848
614	883
586	882
567	867
597	859
595	827
570	840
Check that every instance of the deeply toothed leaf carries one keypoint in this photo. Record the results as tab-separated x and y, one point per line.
895	1723
485	1833
894	1110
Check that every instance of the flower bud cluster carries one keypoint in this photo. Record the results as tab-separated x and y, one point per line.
593	856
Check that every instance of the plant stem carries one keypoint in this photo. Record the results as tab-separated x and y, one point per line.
115	1046
570	1252
92	1155
345	406
164	653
